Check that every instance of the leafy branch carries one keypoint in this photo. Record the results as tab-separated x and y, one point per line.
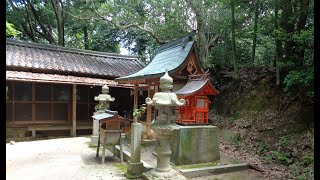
139	111
126	26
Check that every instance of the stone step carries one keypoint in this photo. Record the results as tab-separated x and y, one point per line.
127	156
213	170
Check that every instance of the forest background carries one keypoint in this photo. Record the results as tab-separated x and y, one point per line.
233	36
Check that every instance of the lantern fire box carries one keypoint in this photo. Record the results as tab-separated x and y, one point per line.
195	93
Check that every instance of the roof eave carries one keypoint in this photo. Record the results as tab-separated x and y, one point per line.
207	82
158	75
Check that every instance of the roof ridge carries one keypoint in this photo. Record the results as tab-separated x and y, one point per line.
67	49
177	42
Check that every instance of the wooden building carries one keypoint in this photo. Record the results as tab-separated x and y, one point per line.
195	93
178	57
53	88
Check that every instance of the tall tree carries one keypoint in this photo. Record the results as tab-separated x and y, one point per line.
38	20
58	8
277	43
233	39
204	19
255	29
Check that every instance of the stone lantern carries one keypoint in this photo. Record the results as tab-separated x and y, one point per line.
164	126
104	103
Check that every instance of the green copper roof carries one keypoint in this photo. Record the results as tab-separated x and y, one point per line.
169	57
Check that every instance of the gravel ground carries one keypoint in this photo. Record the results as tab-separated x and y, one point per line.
64	158
72	158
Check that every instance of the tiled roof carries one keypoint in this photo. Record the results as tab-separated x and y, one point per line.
169	57
67	60
63	79
195	85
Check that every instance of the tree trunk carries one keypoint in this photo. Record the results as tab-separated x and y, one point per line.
303	15
46	33
205	41
233	40
85	37
85	33
288	26
277	43
58	11
255	29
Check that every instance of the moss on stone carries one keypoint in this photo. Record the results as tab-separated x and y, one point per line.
200	165
122	168
130	176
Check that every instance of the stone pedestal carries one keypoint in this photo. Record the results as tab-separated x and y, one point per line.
95	130
134	166
195	144
163	169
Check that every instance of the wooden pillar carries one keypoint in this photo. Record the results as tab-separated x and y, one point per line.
74	110
33	98
149	112
135	96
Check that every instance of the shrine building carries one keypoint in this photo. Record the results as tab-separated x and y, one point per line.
53	88
180	58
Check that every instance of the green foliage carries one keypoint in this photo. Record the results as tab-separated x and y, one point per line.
300	82
138	112
303	169
308	160
10	30
143	25
283	157
262	149
285	140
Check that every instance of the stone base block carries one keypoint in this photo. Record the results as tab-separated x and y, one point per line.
134	170
170	175
94	140
213	170
195	144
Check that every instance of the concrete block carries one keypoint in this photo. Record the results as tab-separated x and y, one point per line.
195	144
94	140
213	170
134	169
127	157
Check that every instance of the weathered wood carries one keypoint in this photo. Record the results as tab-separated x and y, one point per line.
103	150
74	110
135	97
98	147
52	102
149	113
44	128
33	104
69	105
35	128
